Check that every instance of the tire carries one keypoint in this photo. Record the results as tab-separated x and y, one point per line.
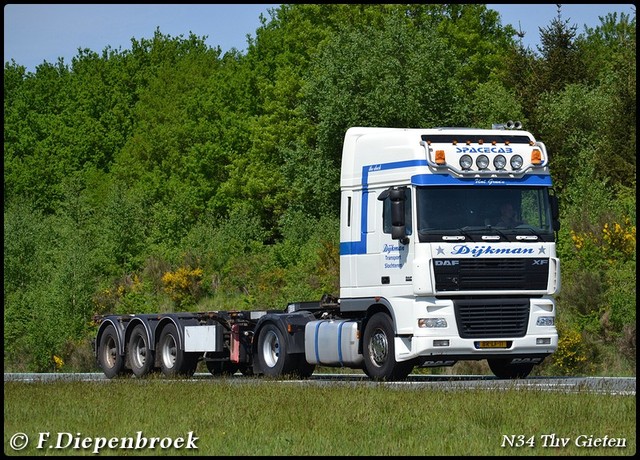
503	369
173	360
272	352
379	350
111	362
141	357
222	367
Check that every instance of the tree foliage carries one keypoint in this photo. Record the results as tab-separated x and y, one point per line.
170	176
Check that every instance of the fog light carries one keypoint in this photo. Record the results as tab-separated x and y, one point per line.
482	161
499	162
466	162
516	162
545	321
432	322
543	341
440	343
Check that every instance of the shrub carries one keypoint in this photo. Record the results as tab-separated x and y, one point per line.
183	286
570	358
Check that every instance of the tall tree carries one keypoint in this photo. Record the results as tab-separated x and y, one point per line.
560	55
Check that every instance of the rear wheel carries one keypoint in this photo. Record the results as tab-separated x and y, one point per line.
379	350
503	369
173	360
111	362
141	357
272	352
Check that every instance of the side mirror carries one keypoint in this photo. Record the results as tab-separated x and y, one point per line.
397	196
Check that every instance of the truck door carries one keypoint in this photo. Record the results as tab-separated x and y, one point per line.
387	262
366	272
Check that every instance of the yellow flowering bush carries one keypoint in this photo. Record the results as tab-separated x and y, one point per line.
611	242
58	362
570	357
620	240
183	285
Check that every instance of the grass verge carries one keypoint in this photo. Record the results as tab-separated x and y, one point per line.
250	417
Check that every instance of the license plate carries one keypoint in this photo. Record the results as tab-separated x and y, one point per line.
493	344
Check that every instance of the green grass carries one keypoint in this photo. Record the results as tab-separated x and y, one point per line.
256	417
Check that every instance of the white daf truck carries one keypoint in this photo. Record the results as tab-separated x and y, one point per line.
447	253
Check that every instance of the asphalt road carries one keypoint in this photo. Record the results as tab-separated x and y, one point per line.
601	385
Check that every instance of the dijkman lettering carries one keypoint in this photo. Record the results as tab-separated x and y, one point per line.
488	250
392	248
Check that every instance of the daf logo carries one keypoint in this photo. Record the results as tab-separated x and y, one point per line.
540	262
444	263
439	363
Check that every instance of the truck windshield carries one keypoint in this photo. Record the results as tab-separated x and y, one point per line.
510	213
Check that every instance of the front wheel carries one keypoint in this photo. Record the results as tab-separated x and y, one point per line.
272	352
173	360
503	369
379	350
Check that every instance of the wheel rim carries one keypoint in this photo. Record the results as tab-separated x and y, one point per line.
378	347
110	352
139	352
169	352
271	349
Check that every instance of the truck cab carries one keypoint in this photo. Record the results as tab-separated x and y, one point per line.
425	239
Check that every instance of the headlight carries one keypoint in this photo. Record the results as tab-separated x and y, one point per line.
499	162
466	162
432	322
545	321
482	161
516	162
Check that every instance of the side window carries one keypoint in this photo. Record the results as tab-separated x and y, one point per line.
534	209
386	213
